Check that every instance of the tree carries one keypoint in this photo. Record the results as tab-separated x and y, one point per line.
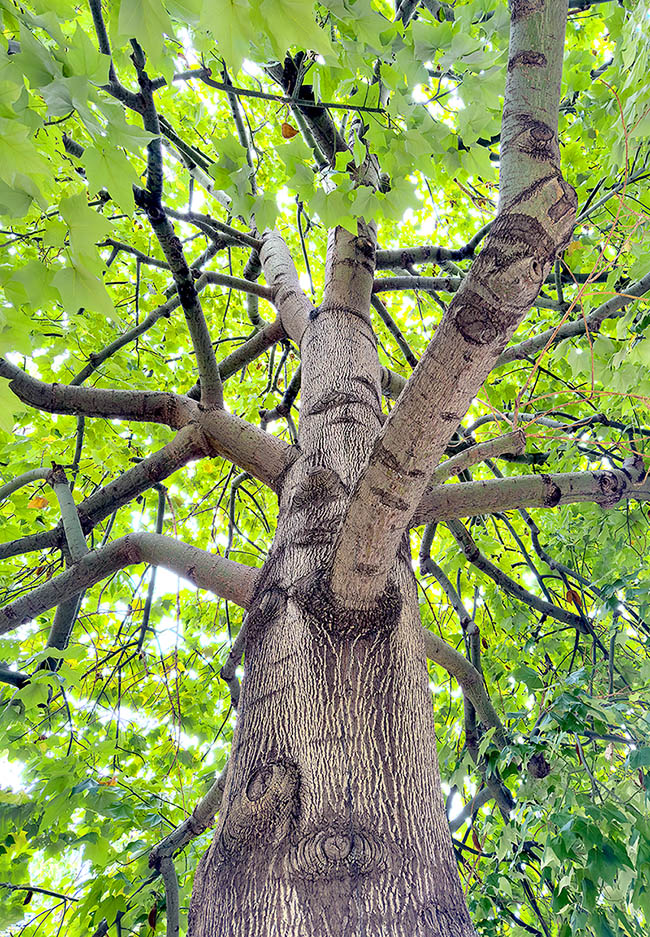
164	167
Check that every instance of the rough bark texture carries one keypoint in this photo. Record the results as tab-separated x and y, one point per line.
332	820
535	220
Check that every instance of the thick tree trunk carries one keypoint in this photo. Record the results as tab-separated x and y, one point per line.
333	821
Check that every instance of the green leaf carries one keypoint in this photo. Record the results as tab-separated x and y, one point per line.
147	21
108	168
81	289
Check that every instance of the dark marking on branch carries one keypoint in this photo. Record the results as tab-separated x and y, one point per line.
553	494
529	57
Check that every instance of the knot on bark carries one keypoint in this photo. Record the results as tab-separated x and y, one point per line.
262	811
329	617
478	321
338	852
611	489
268	607
320	487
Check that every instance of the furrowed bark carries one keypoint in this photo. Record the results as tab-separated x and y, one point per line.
230	580
535	220
323	820
606	487
341	391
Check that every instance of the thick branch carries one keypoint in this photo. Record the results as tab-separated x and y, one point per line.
146	406
230	580
606	487
293	306
390	284
263	455
197	822
535	220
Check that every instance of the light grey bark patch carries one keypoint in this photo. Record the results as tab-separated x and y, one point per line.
529	57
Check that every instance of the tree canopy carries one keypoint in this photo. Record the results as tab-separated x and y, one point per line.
251	115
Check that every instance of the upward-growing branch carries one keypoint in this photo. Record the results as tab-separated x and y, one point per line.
535	219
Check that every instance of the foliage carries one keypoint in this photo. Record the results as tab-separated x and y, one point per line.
109	753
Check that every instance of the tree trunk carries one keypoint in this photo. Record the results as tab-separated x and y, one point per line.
333	821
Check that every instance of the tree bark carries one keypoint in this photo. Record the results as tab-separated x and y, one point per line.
332	821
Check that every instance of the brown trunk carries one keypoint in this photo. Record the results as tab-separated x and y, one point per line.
333	821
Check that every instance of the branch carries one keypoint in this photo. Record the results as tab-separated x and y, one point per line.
211	389
404	257
388	284
263	455
606	487
172	899
535	220
234	283
614	308
146	406
188	444
469	680
293	306
508	444
226	578
394	330
198	821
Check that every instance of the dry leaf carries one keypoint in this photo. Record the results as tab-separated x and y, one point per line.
37	502
288	131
